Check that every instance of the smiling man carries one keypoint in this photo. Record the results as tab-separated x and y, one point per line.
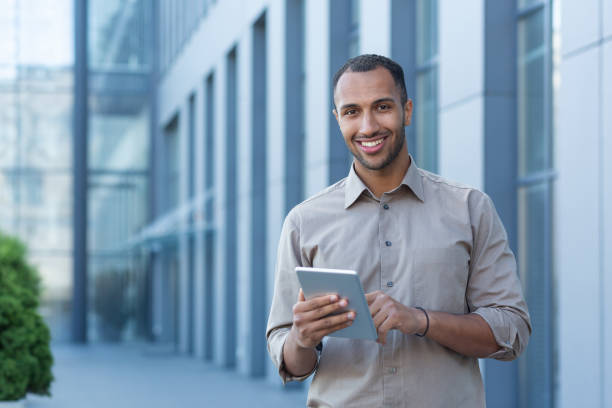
432	256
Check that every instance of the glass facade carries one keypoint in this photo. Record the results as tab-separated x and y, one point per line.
535	180
354	15
36	104
119	63
426	99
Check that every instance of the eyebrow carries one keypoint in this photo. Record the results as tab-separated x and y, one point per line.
376	102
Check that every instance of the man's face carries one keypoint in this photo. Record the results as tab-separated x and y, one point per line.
371	116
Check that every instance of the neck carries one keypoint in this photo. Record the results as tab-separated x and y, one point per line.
388	178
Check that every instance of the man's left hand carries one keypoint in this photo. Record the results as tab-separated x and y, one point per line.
389	314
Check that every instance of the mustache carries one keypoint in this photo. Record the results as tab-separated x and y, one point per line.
373	136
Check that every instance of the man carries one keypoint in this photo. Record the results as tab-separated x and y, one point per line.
432	255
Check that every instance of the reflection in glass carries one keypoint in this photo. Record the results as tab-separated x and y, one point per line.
118	35
534	203
533	138
534	253
426	115
427	30
171	160
426	98
119	51
36	85
354	15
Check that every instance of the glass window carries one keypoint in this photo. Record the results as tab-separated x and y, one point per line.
36	86
118	36
119	51
534	141
426	100
535	180
171	173
354	15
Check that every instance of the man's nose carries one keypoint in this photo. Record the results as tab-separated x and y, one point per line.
369	125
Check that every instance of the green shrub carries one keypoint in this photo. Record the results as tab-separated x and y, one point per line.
25	355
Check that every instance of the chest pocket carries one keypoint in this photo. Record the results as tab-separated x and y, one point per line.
441	278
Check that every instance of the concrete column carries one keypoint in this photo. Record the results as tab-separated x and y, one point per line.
606	205
580	162
244	146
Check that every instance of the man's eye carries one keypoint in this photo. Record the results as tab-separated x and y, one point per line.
350	112
383	107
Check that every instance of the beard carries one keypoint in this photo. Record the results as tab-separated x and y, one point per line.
393	153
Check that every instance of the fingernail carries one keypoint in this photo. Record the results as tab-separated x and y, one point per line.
343	302
333	298
351	315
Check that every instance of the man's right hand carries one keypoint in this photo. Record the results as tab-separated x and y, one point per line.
312	320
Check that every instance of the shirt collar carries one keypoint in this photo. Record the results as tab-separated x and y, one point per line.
355	186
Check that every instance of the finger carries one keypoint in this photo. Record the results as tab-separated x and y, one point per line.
301	297
322	312
379	318
377	305
317	302
330	330
384	329
371	297
331	321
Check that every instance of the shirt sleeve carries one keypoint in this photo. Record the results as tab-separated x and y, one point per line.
494	290
286	289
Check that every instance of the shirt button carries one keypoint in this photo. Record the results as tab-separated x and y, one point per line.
389	284
388	243
386	206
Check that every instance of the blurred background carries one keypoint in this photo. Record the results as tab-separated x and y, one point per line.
150	149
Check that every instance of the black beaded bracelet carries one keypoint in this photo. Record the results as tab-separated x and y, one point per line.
427	327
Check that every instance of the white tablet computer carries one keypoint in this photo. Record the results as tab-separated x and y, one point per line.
319	281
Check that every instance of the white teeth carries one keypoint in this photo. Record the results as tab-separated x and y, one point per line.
372	144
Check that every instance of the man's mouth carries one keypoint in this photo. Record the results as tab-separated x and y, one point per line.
371	146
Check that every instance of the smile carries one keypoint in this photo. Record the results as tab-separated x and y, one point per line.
371	146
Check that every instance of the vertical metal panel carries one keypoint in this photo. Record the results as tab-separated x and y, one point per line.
79	301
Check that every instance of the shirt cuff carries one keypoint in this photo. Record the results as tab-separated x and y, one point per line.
276	344
505	331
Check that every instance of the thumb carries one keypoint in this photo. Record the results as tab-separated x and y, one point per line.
301	297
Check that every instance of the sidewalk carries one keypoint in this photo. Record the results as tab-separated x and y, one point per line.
117	376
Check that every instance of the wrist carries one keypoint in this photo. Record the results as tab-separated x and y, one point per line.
422	321
294	341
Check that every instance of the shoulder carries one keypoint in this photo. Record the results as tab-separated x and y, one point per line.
329	199
436	184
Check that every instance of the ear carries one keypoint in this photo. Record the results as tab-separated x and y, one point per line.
335	112
407	112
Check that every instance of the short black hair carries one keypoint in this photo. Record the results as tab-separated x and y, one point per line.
369	62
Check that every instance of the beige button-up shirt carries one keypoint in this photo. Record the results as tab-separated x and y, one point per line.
430	243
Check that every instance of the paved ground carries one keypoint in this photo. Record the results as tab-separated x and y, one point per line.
103	376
